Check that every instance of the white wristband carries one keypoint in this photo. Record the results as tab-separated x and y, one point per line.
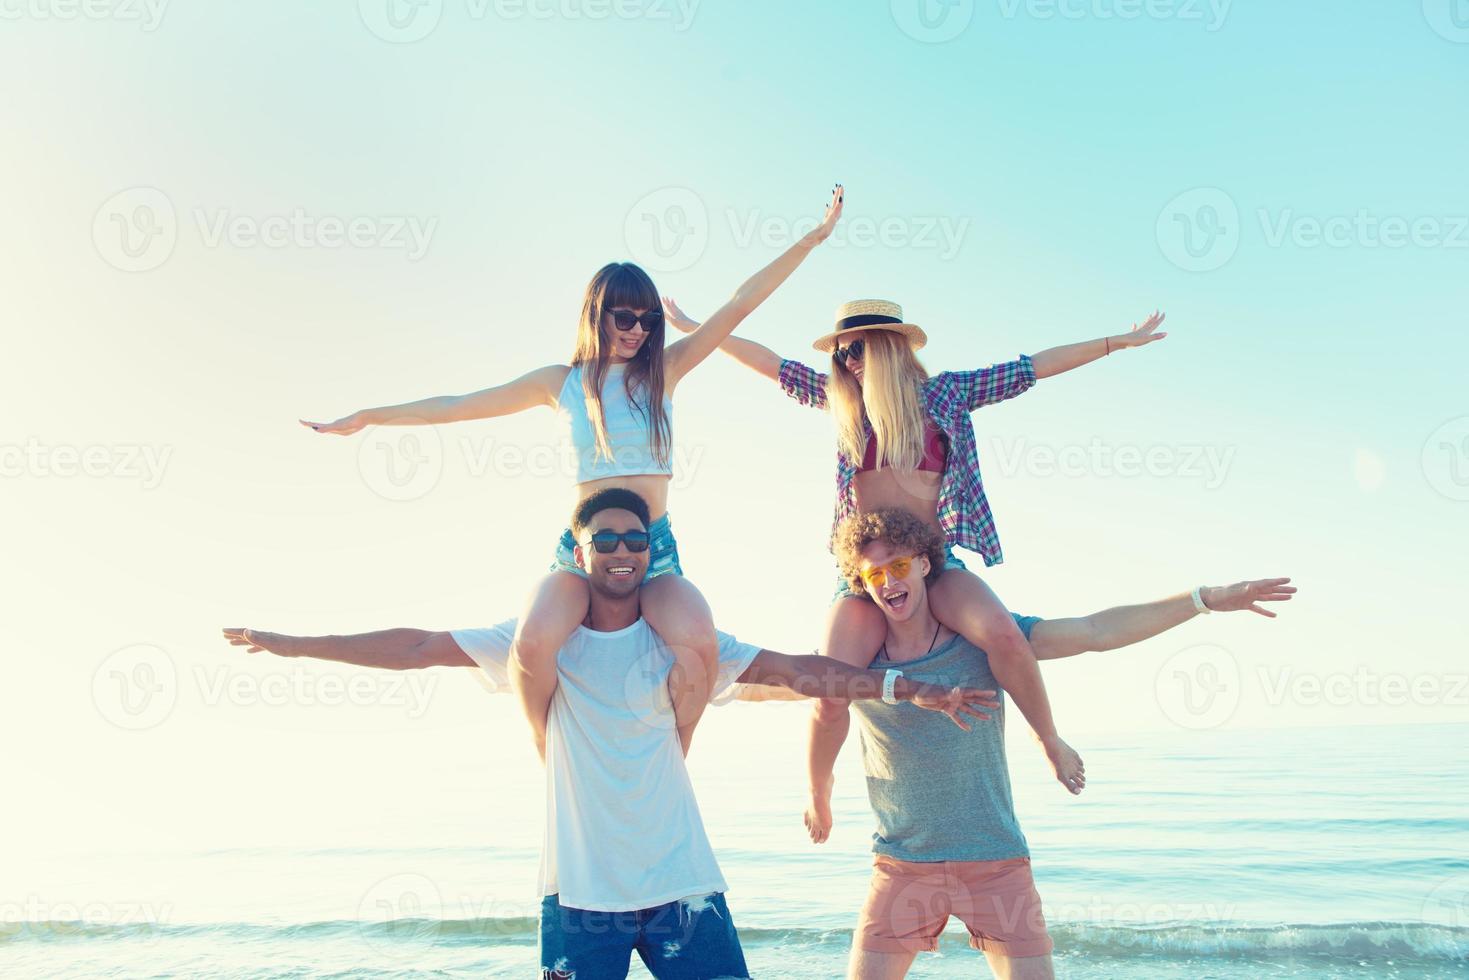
888	680
1199	600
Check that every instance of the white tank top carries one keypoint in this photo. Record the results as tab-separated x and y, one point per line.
629	433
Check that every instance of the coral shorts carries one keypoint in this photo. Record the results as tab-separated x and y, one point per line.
909	903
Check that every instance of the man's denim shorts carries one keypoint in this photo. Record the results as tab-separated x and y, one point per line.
688	939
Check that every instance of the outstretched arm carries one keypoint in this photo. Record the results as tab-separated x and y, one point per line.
757	357
394	649
686	354
1122	626
1058	360
539	387
825	677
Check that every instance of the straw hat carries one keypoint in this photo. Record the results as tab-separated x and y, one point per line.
871	314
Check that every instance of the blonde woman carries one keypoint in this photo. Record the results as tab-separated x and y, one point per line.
905	439
614	401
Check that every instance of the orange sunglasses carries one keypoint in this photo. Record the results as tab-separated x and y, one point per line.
876	576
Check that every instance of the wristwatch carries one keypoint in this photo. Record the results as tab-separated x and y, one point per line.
1198	595
888	681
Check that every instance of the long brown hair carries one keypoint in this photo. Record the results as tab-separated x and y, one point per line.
890	395
620	285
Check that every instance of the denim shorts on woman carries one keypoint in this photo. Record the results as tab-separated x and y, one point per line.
844	588
662	548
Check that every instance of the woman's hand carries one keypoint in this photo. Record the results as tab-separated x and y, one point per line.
344	426
823	231
677	318
1142	334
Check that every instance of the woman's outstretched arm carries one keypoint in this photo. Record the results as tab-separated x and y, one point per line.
686	354
757	357
1058	360
539	387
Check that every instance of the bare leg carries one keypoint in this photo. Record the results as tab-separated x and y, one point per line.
1021	967
676	610
854	633
867	964
964	603
556	609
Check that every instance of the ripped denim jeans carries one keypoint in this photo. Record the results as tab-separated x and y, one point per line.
689	939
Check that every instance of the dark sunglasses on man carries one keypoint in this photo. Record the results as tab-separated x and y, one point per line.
606	541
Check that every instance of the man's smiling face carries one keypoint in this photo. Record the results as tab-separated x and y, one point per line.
618	573
899	598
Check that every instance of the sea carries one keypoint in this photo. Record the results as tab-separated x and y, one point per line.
1310	853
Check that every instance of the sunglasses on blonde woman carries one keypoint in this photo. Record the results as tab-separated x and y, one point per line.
852	351
877	575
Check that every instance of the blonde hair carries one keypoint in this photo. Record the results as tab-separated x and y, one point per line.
901	530
890	396
621	285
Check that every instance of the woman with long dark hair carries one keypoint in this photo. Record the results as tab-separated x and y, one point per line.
614	401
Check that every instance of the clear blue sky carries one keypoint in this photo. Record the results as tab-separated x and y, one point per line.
529	150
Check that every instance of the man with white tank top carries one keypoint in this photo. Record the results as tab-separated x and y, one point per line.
626	865
613	761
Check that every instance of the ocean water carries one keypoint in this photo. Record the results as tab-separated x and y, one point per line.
1297	853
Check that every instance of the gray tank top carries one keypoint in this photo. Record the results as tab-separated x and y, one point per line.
940	793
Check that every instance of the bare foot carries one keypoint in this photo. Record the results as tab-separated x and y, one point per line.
1066	764
818	820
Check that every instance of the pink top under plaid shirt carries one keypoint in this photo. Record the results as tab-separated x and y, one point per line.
964	513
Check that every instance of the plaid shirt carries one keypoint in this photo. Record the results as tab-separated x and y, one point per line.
964	513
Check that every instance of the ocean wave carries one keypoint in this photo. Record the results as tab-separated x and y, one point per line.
1357	941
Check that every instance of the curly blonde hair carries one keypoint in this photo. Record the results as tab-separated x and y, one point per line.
899	529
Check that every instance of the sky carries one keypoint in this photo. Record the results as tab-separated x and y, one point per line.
223	219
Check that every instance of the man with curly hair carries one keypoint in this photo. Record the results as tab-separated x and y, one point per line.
947	840
929	834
